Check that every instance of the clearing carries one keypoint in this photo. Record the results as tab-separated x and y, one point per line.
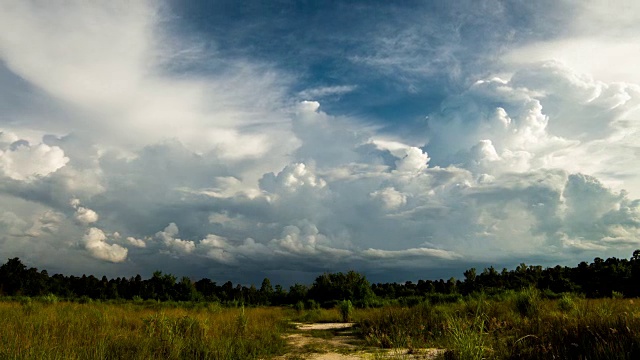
335	341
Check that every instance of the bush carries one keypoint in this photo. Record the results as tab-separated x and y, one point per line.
49	299
346	310
527	302
566	303
311	304
84	299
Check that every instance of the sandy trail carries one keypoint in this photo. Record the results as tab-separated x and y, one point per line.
335	341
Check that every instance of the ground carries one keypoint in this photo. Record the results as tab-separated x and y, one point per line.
335	341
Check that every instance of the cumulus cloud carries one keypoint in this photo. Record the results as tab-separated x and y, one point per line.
538	160
85	215
95	242
390	197
22	161
169	237
139	243
292	178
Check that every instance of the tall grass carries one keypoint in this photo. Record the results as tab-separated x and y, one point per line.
63	330
518	325
512	325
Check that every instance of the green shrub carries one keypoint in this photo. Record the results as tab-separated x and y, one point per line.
311	304
527	302
467	337
49	299
346	310
84	299
566	303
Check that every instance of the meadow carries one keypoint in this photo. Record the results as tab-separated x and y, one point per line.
508	325
46	329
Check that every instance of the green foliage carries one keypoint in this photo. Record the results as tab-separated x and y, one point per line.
352	286
48	299
241	323
527	302
467	338
346	310
566	303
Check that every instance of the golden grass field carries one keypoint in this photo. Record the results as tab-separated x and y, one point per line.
514	325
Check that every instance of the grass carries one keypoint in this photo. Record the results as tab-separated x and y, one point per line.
521	325
512	325
63	330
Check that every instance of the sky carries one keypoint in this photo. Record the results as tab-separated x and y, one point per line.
237	140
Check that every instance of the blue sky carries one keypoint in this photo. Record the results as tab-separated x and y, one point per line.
237	140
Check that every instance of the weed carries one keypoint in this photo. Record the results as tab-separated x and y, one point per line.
346	310
566	303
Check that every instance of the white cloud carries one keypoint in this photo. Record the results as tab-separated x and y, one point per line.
169	237
292	178
528	164
320	92
599	39
86	215
95	242
21	161
410	253
139	243
305	241
126	96
390	197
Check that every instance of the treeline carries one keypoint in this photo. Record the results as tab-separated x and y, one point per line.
602	278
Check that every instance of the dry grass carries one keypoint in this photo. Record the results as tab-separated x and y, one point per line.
522	326
514	326
35	330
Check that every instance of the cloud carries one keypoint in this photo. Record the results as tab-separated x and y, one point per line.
168	127
410	253
390	197
95	242
126	93
320	92
85	215
22	161
139	243
588	50
292	178
168	237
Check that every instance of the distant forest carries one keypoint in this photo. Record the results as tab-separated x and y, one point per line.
601	278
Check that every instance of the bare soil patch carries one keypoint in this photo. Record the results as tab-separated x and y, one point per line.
335	341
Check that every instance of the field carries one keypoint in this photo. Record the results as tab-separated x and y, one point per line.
510	325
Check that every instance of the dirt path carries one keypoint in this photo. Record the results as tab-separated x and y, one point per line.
336	341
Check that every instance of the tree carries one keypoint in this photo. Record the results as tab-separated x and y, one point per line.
266	292
12	277
329	288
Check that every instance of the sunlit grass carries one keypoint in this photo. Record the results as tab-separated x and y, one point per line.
63	330
513	325
521	325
